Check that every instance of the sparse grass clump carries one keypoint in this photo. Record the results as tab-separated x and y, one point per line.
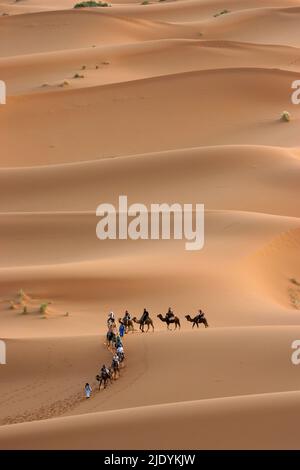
77	75
145	2
285	116
90	4
294	293
223	12
43	308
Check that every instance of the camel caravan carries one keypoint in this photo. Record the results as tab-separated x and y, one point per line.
115	335
127	323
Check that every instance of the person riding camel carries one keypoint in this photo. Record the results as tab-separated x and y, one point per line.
201	314
145	316
111	316
127	316
118	342
116	359
169	314
104	370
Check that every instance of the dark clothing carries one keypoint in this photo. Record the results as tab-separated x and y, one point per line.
169	315
145	316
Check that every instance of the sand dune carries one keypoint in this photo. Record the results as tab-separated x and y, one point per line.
121	63
204	422
185	102
166	102
210	174
249	403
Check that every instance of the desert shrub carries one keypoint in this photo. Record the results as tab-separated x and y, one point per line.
90	4
77	75
285	116
21	294
43	308
145	2
223	12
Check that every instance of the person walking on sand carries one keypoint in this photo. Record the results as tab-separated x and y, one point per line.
88	390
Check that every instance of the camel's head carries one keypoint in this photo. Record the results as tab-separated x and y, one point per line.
134	319
188	317
159	315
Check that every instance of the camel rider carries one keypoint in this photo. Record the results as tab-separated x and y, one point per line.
118	342
127	316
120	350
116	360
169	314
104	370
201	314
145	316
111	317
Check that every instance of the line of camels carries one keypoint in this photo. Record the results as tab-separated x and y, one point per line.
129	323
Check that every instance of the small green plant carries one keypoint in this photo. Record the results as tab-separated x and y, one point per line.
145	2
223	12
90	4
43	308
21	295
285	116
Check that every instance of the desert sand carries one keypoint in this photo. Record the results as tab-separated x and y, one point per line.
173	104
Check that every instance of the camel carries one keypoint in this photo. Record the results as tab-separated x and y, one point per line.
115	369
197	320
104	377
147	322
110	339
168	321
129	325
